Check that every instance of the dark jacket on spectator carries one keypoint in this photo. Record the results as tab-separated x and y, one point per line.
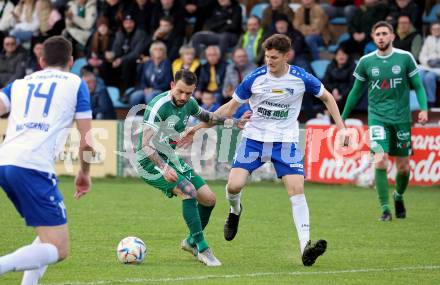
177	12
220	72
365	17
411	42
270	16
412	10
156	77
129	46
112	13
13	66
339	78
142	17
225	19
102	106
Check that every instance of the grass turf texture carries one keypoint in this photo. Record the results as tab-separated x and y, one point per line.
361	250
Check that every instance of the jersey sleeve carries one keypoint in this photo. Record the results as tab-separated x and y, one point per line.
152	116
411	66
83	107
243	91
5	96
195	108
360	72
312	85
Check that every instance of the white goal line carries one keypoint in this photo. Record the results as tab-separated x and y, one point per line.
245	275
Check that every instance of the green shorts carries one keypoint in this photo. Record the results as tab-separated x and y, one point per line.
151	175
394	139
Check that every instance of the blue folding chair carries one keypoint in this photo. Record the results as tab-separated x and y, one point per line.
432	16
319	67
114	95
258	9
78	64
342	38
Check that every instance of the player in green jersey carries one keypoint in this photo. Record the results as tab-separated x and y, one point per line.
165	120
390	74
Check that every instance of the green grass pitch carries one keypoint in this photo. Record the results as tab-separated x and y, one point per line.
361	250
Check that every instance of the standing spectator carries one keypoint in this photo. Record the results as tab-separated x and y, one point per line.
25	21
223	27
212	74
430	60
102	106
251	40
236	72
172	8
80	18
275	9
405	7
127	47
155	76
12	61
361	24
141	10
6	9
187	60
311	21
167	33
407	37
100	42
340	8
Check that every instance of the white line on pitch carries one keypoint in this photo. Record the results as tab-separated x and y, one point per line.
256	274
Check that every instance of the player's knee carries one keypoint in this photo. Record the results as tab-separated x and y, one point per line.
233	188
295	190
210	200
403	168
63	250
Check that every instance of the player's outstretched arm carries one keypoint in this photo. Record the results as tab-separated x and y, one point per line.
332	107
352	99
82	180
416	83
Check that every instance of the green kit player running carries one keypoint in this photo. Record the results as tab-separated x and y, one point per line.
390	74
165	119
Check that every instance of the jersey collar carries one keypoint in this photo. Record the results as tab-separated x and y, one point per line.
384	56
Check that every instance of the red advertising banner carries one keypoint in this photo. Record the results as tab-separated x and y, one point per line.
327	162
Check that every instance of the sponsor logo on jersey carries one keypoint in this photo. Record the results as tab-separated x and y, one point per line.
377	133
291	91
375	71
386	83
403	135
396	69
273	114
277	91
296	165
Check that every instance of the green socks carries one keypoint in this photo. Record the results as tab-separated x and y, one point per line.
382	189
192	219
402	179
205	214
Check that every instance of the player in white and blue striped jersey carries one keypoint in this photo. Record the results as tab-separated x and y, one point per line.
42	107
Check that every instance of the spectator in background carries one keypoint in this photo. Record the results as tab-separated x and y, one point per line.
80	18
300	55
212	74
407	37
252	39
171	8
223	27
127	47
198	9
12	61
209	102
155	76
340	8
311	21
141	10
275	9
405	7
338	78
167	34
360	26
236	72
51	21
25	21
33	63
102	106
113	10
430	61
6	9
187	60
100	42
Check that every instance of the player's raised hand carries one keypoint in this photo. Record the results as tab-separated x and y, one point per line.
82	184
244	119
170	174
423	117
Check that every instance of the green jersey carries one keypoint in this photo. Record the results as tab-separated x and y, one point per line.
388	84
168	120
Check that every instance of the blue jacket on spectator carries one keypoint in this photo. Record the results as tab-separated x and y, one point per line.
220	72
102	106
156	77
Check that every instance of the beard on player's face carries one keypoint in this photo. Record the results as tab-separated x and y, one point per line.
383	47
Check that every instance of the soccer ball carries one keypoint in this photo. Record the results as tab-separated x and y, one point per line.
131	250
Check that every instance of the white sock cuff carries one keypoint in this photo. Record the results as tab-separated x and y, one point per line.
230	196
52	252
298	199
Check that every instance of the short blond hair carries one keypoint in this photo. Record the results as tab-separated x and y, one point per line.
159	45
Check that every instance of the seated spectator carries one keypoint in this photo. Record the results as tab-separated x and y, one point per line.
171	8
12	61
275	9
187	60
25	21
33	61
223	27
209	102
338	78
198	9
252	39
155	76
311	21
102	106
212	74
51	21
430	62
235	72
80	18
300	55
340	8
6	9
114	11
405	7
361	24
141	10
127	48
407	37
167	34
100	42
